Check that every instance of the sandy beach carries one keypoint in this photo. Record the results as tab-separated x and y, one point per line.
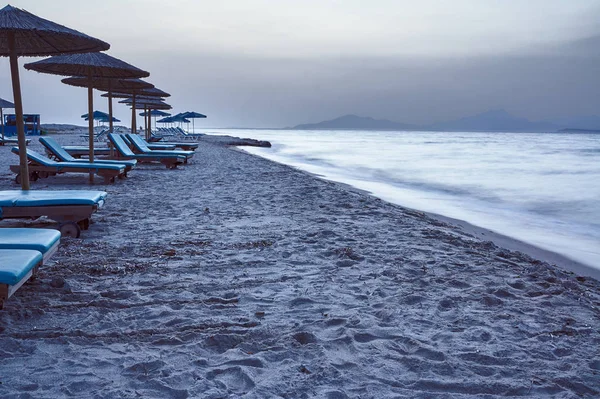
234	276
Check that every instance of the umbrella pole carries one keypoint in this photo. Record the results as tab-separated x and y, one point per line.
91	120
2	121
145	122
133	122
149	118
110	112
14	71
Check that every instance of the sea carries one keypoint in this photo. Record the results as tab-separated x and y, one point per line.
540	188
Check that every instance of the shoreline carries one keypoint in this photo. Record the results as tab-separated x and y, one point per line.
483	233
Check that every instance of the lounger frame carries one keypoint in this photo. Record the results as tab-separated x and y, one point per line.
6	290
37	171
71	218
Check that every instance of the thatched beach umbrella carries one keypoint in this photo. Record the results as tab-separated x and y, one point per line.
109	85
89	65
133	95
147	104
146	94
4	104
24	34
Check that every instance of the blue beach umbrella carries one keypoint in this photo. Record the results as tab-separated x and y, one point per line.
95	115
192	115
154	113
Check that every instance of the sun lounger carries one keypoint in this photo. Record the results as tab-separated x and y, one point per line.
43	240
97	136
141	147
12	141
61	155
159	146
155	140
190	136
173	145
16	267
78	151
123	151
41	166
72	209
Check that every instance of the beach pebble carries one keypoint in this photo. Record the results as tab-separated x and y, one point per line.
57	282
305	338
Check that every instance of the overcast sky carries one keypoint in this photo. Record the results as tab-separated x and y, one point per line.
275	63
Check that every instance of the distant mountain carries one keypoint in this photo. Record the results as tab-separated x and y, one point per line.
354	122
571	130
586	122
495	120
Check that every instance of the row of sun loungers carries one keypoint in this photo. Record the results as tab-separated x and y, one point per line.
175	131
24	250
126	158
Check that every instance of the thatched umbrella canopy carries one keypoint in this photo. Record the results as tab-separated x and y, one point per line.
154	92
141	100
151	106
4	104
89	65
24	34
109	85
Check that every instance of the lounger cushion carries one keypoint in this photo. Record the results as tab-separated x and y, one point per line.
51	197
41	240
16	263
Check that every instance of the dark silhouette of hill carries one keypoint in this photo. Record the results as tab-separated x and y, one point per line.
497	120
491	121
354	122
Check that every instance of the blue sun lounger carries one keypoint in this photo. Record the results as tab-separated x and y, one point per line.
123	151
12	141
41	166
78	151
16	267
55	149
42	240
19	256
141	147
72	209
